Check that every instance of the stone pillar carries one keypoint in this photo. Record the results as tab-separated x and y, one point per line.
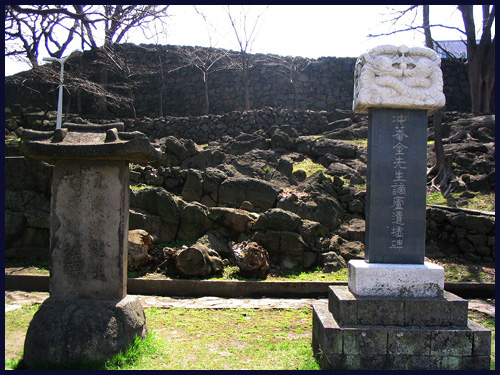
394	313
88	315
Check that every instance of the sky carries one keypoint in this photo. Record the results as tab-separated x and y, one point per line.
297	30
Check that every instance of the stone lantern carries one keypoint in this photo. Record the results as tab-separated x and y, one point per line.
88	315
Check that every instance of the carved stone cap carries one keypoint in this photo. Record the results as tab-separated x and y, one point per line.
88	142
398	77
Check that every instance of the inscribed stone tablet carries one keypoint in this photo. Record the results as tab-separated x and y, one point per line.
396	186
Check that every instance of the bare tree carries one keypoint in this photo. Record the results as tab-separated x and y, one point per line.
290	68
118	20
444	179
480	55
245	31
116	58
32	27
207	60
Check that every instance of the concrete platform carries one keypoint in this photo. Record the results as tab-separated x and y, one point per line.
386	347
349	309
405	280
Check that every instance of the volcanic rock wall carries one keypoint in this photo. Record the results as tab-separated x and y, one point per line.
326	84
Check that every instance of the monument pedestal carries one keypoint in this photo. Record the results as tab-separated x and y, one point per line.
397	317
82	330
383	279
397	333
395	314
88	316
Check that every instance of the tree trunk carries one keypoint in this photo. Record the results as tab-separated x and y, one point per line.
252	259
295	95
207	101
197	261
480	58
427	30
488	78
444	179
475	81
245	64
160	101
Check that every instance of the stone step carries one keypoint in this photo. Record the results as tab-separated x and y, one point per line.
379	347
349	309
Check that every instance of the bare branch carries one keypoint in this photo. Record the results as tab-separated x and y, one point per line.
48	11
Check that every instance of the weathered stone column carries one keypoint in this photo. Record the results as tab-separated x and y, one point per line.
88	315
395	314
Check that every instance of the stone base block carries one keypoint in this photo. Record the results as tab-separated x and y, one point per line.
349	309
396	280
376	347
64	332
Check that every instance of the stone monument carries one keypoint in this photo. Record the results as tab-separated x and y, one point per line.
88	315
394	313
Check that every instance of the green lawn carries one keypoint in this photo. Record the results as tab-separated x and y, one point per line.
215	339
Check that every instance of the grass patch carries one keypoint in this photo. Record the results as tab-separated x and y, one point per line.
359	142
139	187
308	166
216	339
33	266
141	350
234	339
20	319
299	274
480	202
459	270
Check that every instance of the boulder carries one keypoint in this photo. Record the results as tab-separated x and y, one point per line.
339	114
331	262
82	330
139	219
235	190
312	230
252	259
352	250
173	146
246	142
322	146
339	124
192	190
318	207
215	240
281	140
479	224
277	219
353	230
285	166
193	221
231	222
159	202
300	175
204	159
286	248
212	178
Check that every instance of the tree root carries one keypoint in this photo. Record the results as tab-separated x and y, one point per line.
461	135
444	180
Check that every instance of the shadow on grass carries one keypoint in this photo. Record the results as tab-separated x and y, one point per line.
120	361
